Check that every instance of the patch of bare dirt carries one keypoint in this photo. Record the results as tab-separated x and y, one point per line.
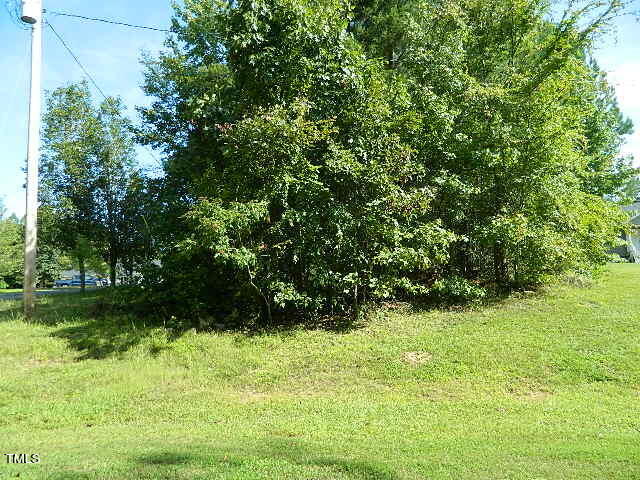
536	396
417	358
38	363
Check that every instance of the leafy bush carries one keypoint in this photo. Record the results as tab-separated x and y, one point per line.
303	223
456	290
615	258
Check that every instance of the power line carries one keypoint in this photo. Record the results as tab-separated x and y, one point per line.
76	59
114	22
104	20
95	84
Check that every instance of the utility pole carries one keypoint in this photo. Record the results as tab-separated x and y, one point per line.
32	14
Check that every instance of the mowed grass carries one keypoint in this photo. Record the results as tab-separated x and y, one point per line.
541	386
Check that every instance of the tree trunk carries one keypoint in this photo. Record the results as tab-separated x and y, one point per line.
267	305
113	265
499	265
82	274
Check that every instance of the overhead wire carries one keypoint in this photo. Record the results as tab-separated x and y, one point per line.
95	84
13	8
115	22
64	44
104	20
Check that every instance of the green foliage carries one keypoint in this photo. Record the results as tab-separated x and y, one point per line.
50	261
456	290
605	128
323	154
11	253
305	221
89	182
630	190
50	264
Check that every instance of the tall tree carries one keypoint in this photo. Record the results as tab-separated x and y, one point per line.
87	168
605	128
114	177
69	166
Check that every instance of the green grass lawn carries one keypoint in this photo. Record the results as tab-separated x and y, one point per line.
536	387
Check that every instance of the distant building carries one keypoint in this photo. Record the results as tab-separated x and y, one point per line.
631	249
634	208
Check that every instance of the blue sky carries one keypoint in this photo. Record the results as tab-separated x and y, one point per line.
111	54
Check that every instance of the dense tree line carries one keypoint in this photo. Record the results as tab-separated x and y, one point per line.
51	260
323	154
11	246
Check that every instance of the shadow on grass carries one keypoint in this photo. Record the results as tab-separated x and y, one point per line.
86	329
98	339
279	455
91	326
282	458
